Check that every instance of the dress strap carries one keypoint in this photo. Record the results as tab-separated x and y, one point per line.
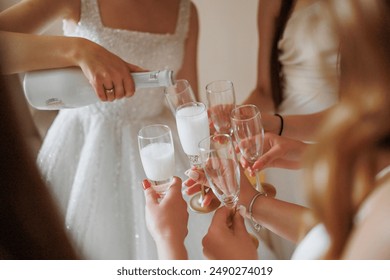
90	12
384	172
183	19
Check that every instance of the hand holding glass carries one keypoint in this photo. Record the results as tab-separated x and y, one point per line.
249	134
222	170
157	156
192	126
221	167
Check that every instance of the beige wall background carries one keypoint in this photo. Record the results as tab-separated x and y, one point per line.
227	42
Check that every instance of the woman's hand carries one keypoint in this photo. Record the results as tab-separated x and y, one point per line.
166	220
278	152
227	237
197	179
108	74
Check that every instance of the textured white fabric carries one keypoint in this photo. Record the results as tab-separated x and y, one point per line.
314	245
90	156
309	57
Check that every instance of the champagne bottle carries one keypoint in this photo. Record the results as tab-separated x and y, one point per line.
69	88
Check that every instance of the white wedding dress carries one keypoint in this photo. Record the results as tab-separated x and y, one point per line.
90	155
309	58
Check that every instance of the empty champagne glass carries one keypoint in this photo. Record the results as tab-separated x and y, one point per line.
179	94
157	155
192	126
221	100
249	135
221	168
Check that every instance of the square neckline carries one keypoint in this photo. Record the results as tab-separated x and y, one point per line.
123	30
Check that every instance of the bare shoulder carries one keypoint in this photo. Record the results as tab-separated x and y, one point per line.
64	8
72	9
371	236
194	10
194	15
380	198
269	8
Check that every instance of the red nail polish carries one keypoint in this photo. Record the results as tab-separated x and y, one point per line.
146	184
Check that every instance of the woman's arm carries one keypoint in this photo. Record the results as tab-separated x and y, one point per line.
34	16
285	219
21	50
167	220
189	70
261	96
300	127
25	52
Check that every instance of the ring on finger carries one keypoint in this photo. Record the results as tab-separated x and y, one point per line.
109	90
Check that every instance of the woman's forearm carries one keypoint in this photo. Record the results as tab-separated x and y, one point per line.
287	220
303	127
25	52
300	127
171	249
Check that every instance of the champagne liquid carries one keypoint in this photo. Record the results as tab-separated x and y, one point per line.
158	161
193	126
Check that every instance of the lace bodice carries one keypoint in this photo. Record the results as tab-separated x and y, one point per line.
148	50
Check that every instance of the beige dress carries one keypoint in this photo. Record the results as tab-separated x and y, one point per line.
309	58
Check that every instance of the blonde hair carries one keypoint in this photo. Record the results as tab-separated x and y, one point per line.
342	167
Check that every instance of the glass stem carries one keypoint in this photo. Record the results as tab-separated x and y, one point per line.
259	187
202	194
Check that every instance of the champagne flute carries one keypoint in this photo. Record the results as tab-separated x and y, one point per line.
249	135
221	167
222	170
179	94
192	126
221	100
157	155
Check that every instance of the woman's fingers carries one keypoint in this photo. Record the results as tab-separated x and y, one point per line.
151	197
113	85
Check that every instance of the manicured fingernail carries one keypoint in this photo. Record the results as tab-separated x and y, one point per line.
194	175
146	184
242	211
258	165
